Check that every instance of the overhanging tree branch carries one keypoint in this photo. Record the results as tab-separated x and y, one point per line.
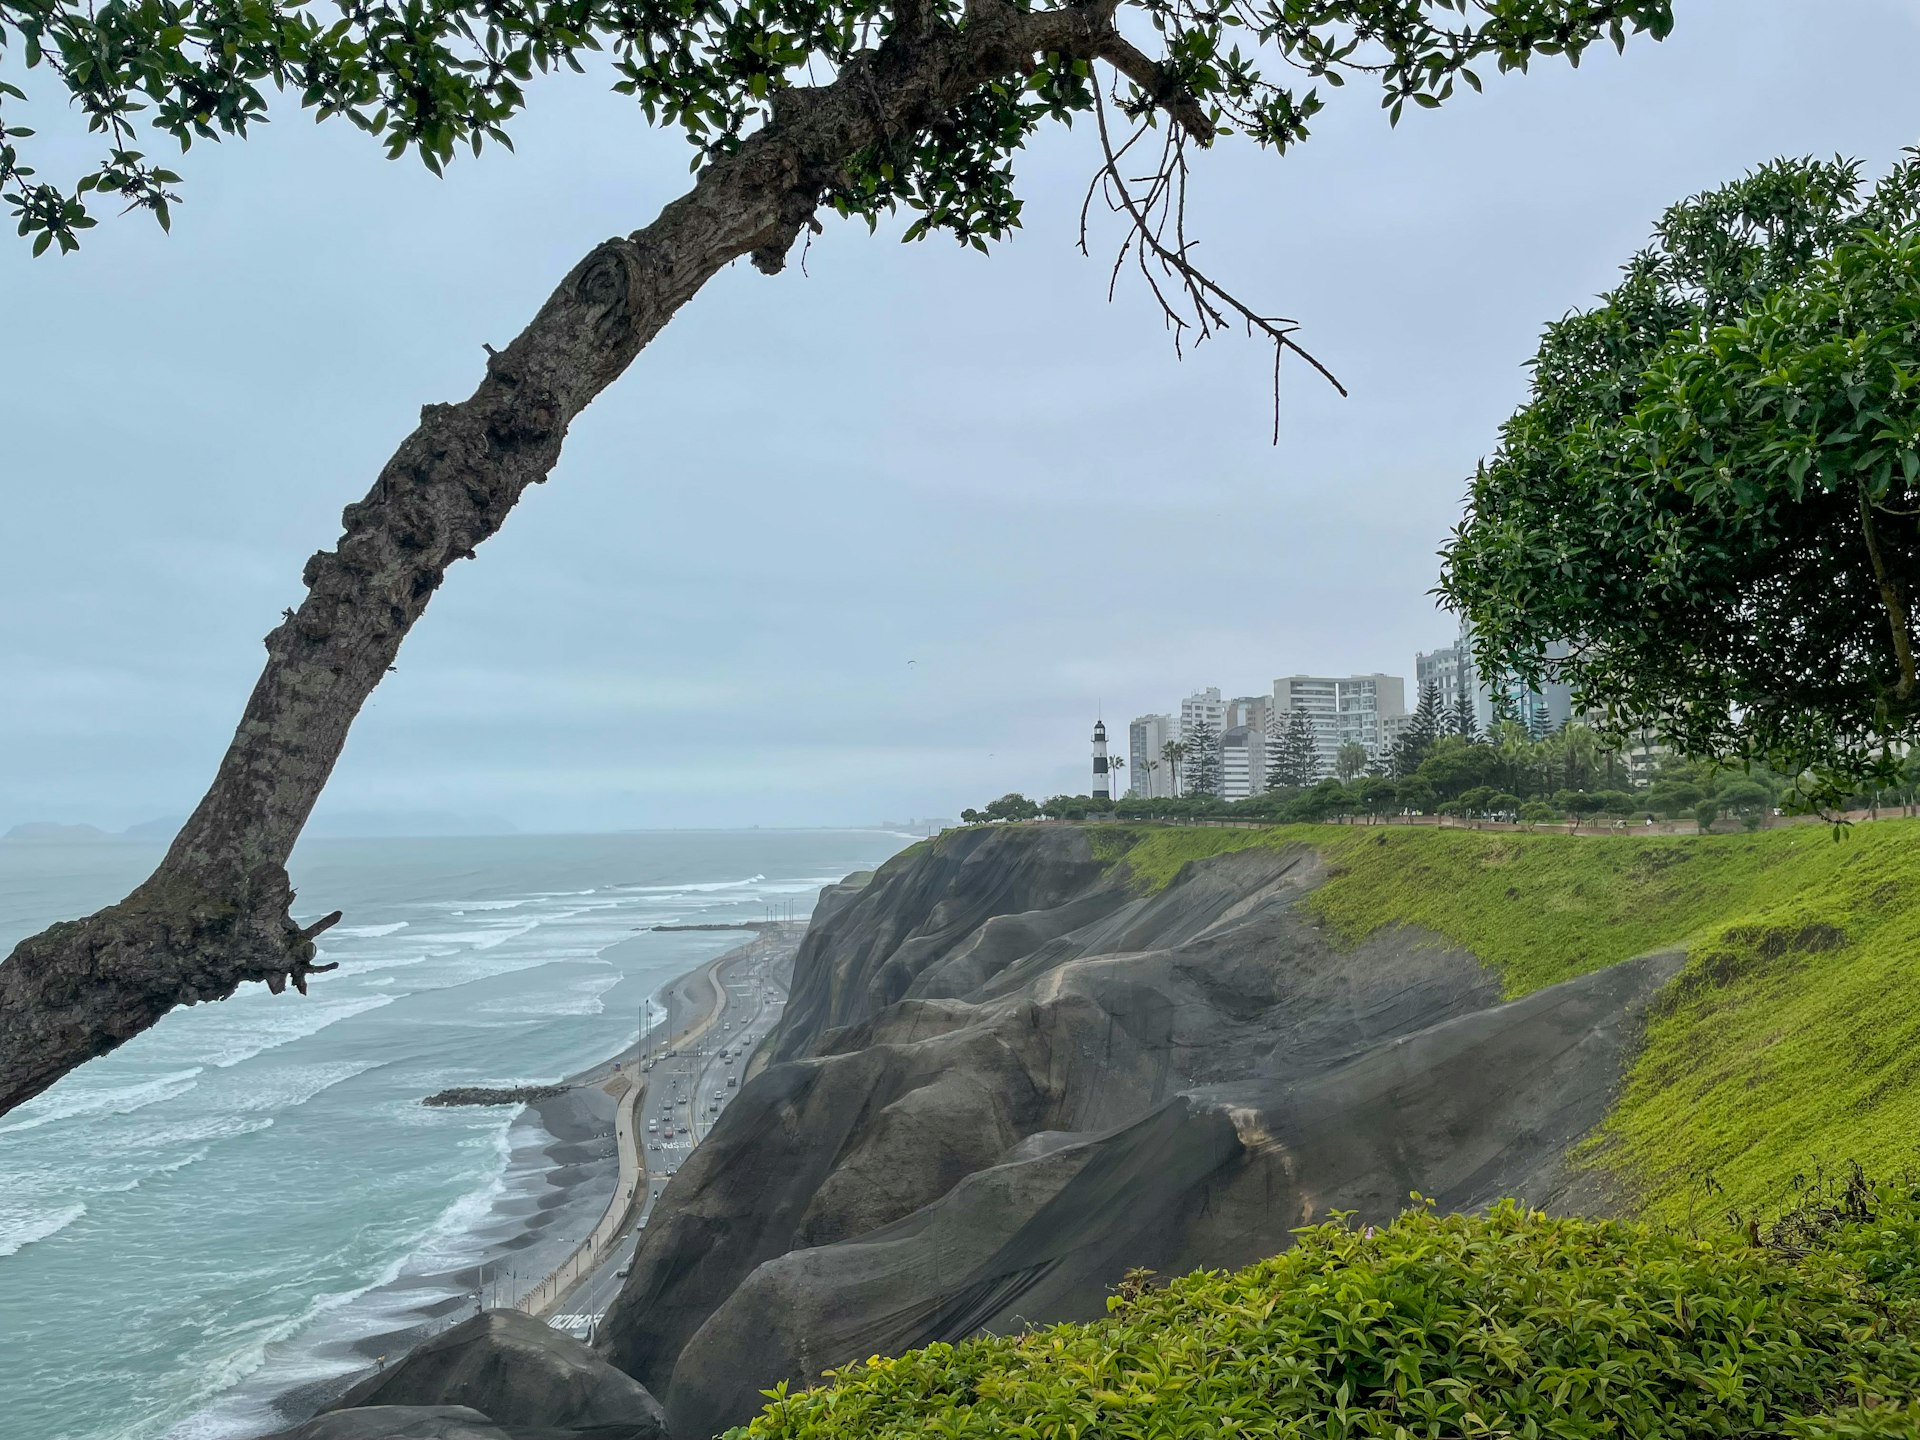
1160	85
216	913
931	117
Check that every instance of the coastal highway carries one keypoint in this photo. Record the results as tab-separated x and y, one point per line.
737	995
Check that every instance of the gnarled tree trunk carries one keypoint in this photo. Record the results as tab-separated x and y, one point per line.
217	911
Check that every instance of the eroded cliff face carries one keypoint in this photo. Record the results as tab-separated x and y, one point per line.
1004	1079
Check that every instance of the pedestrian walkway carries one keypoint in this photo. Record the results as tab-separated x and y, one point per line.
629	1087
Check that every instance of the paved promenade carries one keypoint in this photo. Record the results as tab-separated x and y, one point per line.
735	981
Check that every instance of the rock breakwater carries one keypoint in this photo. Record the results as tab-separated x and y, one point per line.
482	1095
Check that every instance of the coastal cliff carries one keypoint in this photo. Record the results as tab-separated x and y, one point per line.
1015	1066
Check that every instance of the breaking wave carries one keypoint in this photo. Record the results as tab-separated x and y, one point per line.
19	1230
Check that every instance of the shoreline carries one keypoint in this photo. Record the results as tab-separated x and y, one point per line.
563	1148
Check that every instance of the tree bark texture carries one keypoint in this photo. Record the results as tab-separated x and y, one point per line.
217	911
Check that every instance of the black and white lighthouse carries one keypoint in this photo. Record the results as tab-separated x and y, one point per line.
1102	788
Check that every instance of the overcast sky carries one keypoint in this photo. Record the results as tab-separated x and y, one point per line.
911	453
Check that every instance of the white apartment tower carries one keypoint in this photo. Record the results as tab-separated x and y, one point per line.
1148	774
1343	708
1203	707
1243	762
1451	668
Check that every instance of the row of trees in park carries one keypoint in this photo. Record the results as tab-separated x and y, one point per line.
1443	766
1193	761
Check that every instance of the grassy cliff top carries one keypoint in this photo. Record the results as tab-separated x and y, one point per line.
1508	1324
1790	1041
1785	1046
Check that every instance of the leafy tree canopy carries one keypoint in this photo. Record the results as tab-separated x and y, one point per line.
1712	490
430	76
1011	806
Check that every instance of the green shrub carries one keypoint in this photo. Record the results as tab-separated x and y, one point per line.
1506	1324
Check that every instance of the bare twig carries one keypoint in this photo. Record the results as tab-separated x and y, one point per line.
1155	207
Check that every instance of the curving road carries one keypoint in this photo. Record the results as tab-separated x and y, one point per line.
738	994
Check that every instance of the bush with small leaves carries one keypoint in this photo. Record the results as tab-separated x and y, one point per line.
1505	1324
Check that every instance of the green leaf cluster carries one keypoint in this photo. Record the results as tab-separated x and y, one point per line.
1713	490
1507	1324
429	76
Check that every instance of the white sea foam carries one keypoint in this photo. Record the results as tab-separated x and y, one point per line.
284	1087
286	1022
806	884
75	1100
239	1410
21	1225
366	932
373	964
505	933
578	997
484	937
243	1412
693	889
171	1167
460	907
200	1129
450	1240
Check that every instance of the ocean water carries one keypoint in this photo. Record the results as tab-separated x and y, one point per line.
186	1223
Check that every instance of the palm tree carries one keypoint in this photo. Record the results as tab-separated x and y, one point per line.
1579	748
1515	749
1349	760
1173	752
1114	767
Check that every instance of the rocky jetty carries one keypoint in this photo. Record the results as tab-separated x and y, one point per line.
480	1095
1005	1078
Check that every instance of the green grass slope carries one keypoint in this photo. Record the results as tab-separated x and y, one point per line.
1508	1324
1790	1040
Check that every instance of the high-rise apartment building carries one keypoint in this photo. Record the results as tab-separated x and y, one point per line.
1343	708
1243	762
1203	707
1542	711
1253	711
1148	774
1451	669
